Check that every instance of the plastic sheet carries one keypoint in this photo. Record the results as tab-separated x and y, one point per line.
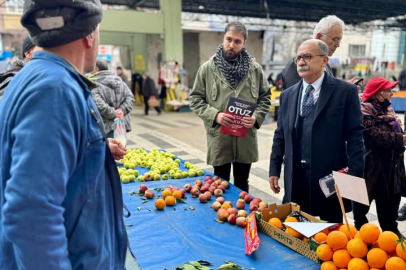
169	238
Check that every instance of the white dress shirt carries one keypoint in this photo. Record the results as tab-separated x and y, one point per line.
315	92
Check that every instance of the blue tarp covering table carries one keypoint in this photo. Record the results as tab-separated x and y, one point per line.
398	104
165	239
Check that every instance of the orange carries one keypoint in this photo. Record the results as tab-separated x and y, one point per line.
337	240
377	258
320	237
275	222
341	258
357	264
328	266
343	228
369	233
166	193
387	241
170	200
324	252
160	204
291	219
357	235
395	263
357	248
177	194
293	232
400	251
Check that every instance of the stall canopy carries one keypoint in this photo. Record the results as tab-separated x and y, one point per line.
351	11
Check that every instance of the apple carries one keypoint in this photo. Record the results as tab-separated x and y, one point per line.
148	177
202	198
232	218
215	178
140	178
256	201
240	204
263	204
218	192
223	188
212	189
207	178
241	213
195	192
208	195
248	198
225	184
198	183
216	206
187	187
183	192
204	189
241	221
149	194
142	188
214	184
220	200
253	207
243	194
232	210
222	214
165	177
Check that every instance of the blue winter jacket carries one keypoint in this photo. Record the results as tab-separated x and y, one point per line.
59	210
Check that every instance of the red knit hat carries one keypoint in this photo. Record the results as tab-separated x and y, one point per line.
376	85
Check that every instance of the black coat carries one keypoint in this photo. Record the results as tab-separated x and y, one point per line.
336	140
148	88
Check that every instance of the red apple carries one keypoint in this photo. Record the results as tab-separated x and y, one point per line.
212	189
195	192
220	200
215	178
218	192
223	188
240	204
232	218
142	188
241	221
208	195
264	204
207	178
225	184
149	194
187	187
202	198
243	194
222	214
198	183
256	201
248	198
253	207
232	210
148	177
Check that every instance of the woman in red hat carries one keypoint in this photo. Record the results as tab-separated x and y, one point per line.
384	147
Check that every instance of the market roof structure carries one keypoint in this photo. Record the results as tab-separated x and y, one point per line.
351	11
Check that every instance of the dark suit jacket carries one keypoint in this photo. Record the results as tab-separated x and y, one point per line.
290	76
336	140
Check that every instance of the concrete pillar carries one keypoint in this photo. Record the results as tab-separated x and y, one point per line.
173	36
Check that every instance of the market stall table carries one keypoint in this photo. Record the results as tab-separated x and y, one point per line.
165	239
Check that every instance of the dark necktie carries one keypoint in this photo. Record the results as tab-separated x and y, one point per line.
308	103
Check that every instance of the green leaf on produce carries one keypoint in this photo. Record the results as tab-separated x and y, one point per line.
158	189
180	201
139	208
199	266
144	202
218	220
128	225
132	192
143	198
204	262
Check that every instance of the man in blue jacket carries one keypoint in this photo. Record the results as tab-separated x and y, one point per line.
60	195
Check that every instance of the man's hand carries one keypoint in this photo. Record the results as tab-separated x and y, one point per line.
352	81
249	121
119	113
117	149
273	182
224	119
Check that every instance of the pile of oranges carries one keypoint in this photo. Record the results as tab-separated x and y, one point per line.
369	249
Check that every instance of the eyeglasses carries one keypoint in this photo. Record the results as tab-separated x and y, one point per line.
306	58
334	39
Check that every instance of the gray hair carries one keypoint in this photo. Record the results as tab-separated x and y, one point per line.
237	27
325	24
323	48
101	65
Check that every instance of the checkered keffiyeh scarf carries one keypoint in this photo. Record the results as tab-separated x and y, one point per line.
234	71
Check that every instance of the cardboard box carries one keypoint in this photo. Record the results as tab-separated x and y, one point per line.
281	212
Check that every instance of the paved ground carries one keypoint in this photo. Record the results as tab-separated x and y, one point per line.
183	134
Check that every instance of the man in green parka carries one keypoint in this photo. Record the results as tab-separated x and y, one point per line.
231	72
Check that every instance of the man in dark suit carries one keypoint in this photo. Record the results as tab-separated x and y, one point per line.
319	130
329	30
